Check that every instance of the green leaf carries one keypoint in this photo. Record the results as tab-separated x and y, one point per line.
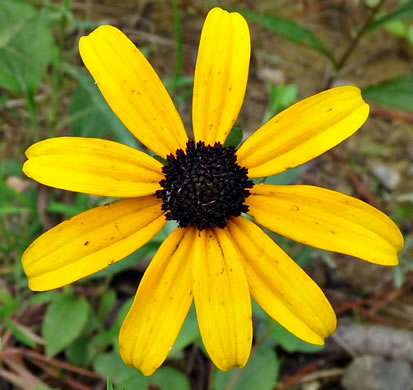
65	319
286	177
287	29
123	311
26	46
10	167
110	364
403	13
101	341
13	16
165	378
188	334
397	92
291	343
396	27
7	305
281	97
90	115
303	256
409	36
106	304
234	137
183	81
258	312
261	372
77	352
148	250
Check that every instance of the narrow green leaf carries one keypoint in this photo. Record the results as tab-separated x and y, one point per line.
287	29
109	385
261	372
403	13
14	210
65	319
68	210
398	276
396	92
19	335
43	388
234	137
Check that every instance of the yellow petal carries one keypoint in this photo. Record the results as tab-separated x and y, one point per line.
161	304
222	299
93	166
133	90
91	241
303	131
328	220
221	75
280	286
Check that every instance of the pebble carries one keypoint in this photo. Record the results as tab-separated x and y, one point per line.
387	176
375	373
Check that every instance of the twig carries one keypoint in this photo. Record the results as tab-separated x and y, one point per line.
20	369
385	114
352	45
322	374
12	378
354	42
55	362
296	377
359	186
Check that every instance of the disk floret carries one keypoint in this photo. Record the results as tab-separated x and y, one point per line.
204	186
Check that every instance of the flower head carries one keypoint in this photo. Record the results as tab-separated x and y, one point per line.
216	256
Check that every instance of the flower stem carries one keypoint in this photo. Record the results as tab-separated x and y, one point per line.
338	66
179	44
58	71
353	44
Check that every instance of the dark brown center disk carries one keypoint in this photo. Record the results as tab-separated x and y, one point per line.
204	186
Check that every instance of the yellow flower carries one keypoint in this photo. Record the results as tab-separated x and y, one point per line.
216	257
